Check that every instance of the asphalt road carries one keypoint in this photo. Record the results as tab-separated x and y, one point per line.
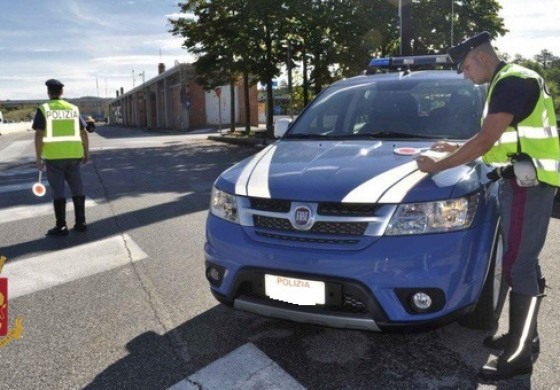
126	305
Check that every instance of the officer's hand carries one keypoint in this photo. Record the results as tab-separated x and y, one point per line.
444	146
40	165
426	164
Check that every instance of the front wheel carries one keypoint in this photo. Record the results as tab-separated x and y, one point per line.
489	306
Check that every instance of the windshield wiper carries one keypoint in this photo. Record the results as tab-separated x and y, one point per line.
305	136
392	134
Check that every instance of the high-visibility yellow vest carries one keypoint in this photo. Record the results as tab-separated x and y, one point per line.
61	138
538	133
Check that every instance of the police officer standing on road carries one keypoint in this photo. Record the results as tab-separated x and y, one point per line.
519	138
62	141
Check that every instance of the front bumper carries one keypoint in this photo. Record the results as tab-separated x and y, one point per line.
366	284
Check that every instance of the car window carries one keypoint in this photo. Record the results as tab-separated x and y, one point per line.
426	108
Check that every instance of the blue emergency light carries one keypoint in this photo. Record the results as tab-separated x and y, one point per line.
410	61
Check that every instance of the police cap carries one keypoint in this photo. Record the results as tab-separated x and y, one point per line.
459	52
53	83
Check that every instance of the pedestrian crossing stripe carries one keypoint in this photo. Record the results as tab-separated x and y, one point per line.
14	150
42	272
245	368
32	211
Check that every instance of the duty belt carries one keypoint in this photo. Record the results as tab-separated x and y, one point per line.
505	172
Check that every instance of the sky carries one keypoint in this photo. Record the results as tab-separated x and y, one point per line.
92	46
96	47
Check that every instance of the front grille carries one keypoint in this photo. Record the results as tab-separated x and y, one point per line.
350	303
354	304
273	205
347	209
340	228
334	222
331	228
324	208
272	223
306	239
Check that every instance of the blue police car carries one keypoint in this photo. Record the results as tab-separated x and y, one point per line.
333	224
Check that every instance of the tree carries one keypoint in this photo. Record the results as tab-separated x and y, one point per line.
330	38
208	36
232	37
545	58
436	27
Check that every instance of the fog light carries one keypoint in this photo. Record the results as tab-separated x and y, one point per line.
215	274
421	301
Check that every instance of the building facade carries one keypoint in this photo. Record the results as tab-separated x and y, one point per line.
174	101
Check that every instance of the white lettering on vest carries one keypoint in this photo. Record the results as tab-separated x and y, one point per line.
62	114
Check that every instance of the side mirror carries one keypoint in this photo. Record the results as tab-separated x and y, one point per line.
281	126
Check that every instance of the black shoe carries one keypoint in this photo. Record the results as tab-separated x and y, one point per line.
500	342
80	227
58	231
517	358
498	369
80	213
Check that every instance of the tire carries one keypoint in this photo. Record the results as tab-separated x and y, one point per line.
491	302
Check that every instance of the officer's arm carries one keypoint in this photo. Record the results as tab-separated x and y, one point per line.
493	127
39	148
85	143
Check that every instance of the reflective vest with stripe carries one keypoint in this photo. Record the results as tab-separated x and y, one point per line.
538	134
61	138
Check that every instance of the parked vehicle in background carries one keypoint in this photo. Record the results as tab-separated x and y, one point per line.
333	224
90	123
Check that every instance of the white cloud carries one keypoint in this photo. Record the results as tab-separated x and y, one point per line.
533	27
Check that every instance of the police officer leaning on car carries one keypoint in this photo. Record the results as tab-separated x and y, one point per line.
519	138
62	141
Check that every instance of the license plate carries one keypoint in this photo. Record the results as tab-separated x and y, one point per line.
297	291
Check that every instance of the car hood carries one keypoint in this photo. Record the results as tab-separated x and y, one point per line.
346	171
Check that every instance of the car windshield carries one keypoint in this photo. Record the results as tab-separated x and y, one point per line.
393	108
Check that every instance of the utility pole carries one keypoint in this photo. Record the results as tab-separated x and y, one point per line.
133	79
452	20
400	27
405	27
290	92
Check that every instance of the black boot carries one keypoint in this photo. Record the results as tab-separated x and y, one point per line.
516	358
80	213
500	342
60	214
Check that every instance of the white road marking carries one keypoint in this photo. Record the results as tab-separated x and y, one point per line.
19	187
245	368
23	212
18	172
14	150
38	273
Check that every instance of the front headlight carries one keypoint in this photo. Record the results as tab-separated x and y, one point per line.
223	205
433	217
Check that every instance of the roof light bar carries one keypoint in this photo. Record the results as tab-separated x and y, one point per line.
410	61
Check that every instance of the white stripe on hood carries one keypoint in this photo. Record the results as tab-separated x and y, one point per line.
373	189
242	184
